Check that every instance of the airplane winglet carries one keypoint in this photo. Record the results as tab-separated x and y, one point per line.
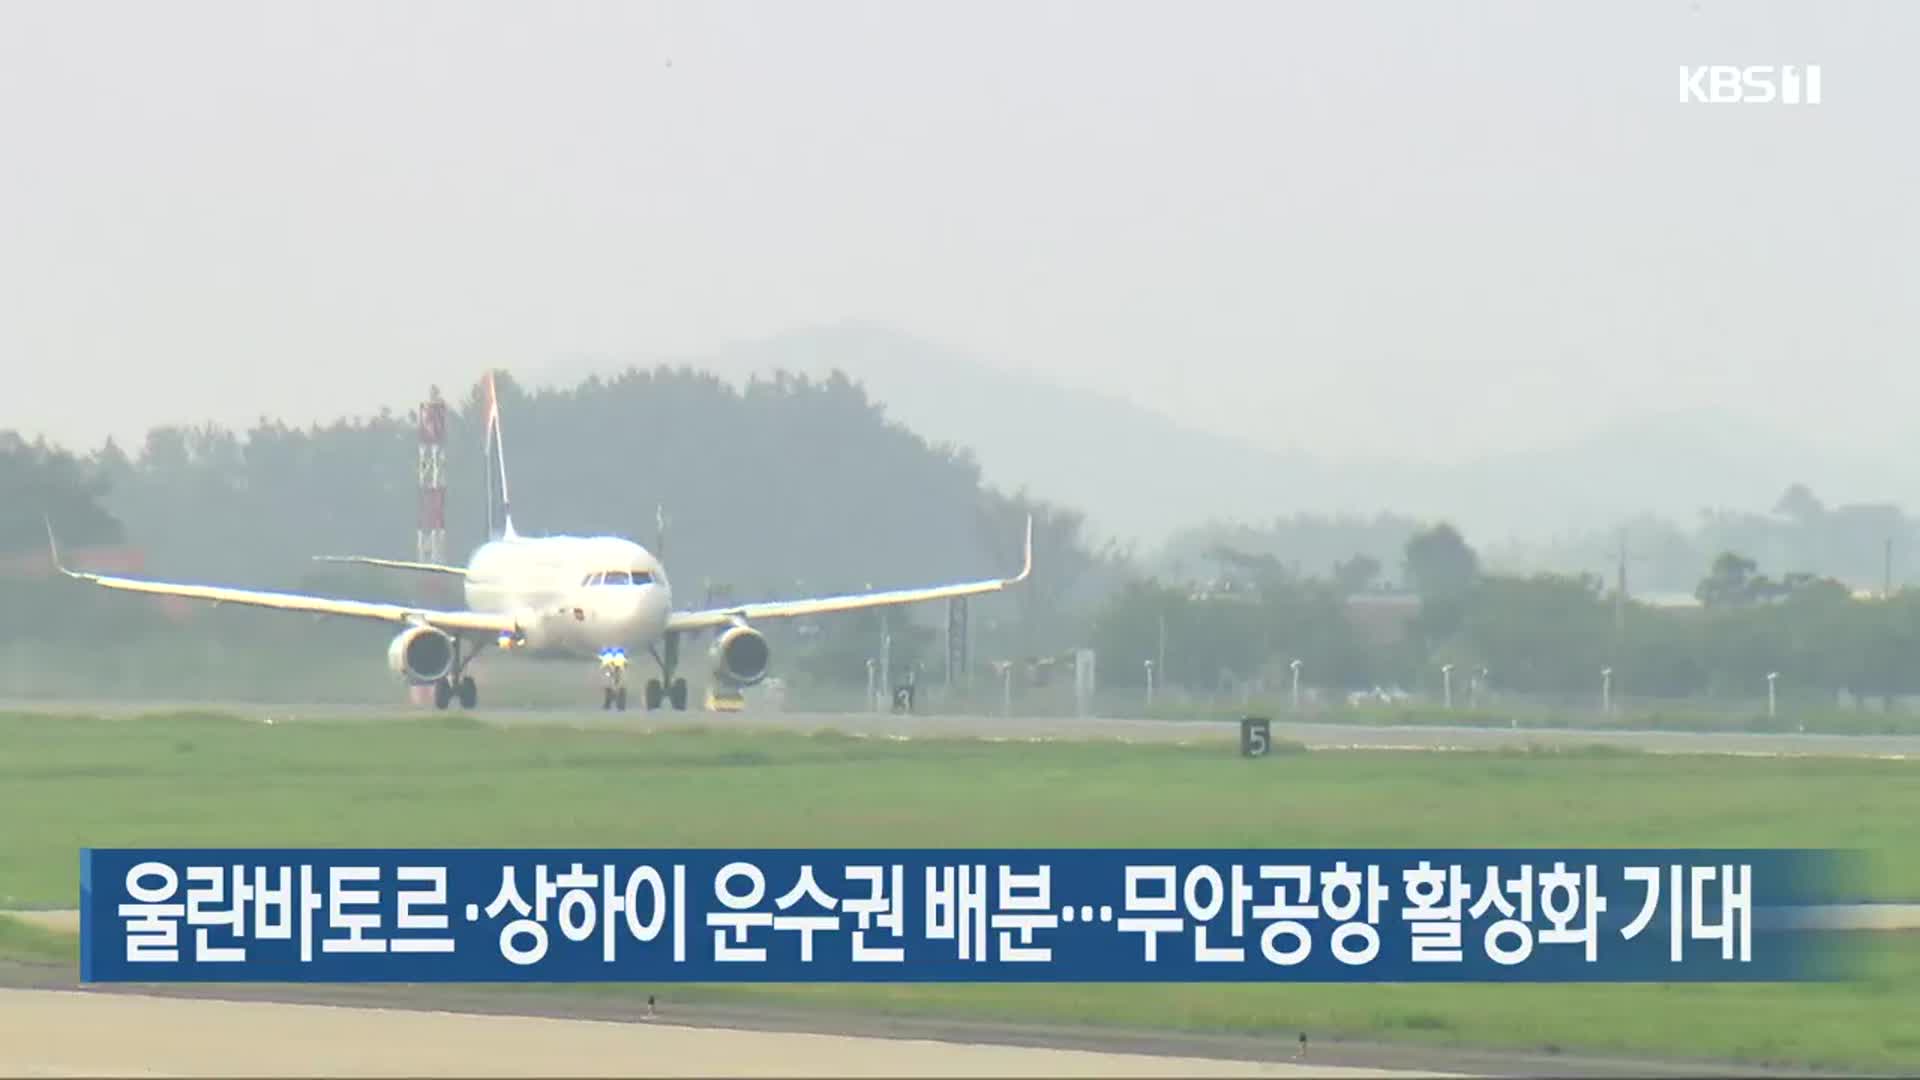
53	549
1026	566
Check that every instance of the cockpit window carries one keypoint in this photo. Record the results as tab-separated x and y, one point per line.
619	577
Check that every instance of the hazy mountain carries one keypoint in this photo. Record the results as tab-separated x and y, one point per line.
1141	475
1666	464
1136	473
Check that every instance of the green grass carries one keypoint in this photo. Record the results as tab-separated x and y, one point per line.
211	780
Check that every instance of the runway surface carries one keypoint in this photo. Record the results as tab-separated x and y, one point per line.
1315	735
59	1033
602	1035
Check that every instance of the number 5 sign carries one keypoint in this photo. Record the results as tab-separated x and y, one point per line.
1254	736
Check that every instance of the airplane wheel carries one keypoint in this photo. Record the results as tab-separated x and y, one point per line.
679	694
655	694
442	693
469	693
620	699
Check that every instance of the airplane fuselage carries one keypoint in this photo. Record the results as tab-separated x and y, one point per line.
573	595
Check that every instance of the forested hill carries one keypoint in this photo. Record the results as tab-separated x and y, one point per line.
788	484
1137	474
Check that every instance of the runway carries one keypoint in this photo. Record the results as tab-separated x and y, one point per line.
1317	735
58	1033
320	1029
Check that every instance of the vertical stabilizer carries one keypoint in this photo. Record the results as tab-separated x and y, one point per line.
500	523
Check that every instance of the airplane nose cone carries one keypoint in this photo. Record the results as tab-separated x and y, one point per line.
627	613
638	616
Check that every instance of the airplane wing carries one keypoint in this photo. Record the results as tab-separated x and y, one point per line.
787	609
393	564
451	621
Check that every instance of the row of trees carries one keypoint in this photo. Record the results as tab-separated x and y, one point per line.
784	487
1541	633
1860	543
39	480
790	486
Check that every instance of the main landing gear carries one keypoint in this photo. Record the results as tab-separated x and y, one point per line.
456	685
666	687
659	693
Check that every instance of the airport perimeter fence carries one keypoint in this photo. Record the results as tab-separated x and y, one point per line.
1803	710
189	671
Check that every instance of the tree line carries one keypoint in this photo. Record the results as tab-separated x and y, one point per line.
785	486
1542	633
788	486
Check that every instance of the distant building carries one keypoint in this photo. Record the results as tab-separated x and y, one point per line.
1381	618
1676	601
1224	589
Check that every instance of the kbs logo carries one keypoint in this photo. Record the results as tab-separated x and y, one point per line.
1722	84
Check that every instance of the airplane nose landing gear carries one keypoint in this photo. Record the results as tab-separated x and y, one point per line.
613	665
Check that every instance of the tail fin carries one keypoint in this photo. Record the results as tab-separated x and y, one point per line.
496	452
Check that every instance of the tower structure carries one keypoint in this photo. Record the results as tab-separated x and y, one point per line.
431	543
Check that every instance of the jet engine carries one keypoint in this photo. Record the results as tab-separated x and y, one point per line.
421	654
740	656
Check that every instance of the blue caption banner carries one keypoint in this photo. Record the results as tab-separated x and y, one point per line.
338	915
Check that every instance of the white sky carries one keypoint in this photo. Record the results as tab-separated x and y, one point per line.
1357	228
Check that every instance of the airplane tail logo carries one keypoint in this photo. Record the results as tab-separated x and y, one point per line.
496	454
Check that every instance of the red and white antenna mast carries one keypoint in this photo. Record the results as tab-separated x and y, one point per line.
432	542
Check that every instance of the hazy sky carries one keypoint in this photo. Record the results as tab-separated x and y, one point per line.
1354	227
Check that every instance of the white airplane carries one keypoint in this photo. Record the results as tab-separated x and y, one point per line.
574	596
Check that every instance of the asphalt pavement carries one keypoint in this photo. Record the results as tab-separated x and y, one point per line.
1318	735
